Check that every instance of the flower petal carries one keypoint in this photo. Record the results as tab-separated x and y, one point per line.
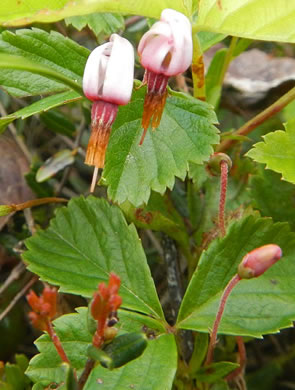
94	72
118	81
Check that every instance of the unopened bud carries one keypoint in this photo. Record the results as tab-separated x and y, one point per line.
215	161
256	262
6	209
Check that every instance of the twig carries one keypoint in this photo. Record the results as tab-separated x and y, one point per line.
17	138
71	144
154	241
30	220
76	145
14	275
18	296
258	119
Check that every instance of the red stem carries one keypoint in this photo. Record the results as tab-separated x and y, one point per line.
56	341
222	199
242	353
231	284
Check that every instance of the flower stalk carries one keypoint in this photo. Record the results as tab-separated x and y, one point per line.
253	264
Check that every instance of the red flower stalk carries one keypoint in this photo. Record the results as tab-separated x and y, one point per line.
105	304
253	264
44	310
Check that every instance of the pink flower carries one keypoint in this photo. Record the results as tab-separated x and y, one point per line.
256	262
167	47
108	82
165	50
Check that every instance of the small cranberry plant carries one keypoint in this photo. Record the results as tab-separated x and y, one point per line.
152	247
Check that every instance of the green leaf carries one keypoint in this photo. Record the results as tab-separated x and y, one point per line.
34	62
277	151
99	23
42	190
220	385
158	215
208	39
213	89
54	164
15	377
200	351
215	371
58	122
75	338
73	332
124	348
272	196
41	105
186	133
155	369
83	244
15	13
255	307
249	19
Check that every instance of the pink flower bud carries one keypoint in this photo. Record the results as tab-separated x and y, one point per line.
167	47
256	262
108	73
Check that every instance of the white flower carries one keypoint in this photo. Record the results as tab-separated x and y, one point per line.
109	70
167	47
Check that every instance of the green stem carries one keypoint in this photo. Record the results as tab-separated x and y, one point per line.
227	60
259	119
8	61
198	69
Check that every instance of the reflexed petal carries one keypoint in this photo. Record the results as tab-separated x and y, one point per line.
154	54
181	32
159	28
94	72
118	81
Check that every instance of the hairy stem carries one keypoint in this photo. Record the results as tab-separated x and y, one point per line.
56	341
222	199
260	118
228	289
